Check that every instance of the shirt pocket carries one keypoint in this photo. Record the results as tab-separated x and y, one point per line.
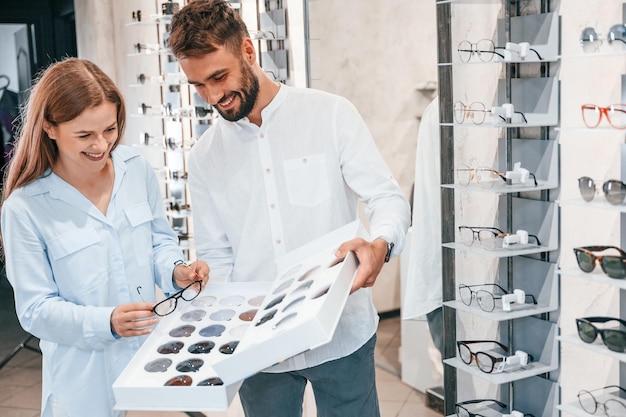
140	219
307	180
77	254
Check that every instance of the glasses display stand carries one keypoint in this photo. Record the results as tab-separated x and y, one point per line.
526	92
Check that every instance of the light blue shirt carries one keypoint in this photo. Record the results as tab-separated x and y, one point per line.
260	192
70	266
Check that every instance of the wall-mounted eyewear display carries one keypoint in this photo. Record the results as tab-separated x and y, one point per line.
168	305
477	113
591	41
485	360
612	265
462	411
611	407
614	190
486	300
613	338
615	114
149	48
487	237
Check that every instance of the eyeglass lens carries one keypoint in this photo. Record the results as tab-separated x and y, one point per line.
614	339
614	190
615	114
476	112
612	265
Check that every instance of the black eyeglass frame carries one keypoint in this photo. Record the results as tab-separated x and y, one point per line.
494	230
174	298
460	405
472	295
604	333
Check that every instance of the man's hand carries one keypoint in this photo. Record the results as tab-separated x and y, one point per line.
134	319
371	256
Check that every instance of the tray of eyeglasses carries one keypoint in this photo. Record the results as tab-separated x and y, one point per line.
197	356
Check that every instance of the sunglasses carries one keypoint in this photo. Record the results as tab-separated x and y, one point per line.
614	190
168	305
611	407
591	41
614	339
612	265
485	361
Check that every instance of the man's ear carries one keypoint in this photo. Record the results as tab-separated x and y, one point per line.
248	51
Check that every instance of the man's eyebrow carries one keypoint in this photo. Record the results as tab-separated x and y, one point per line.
210	76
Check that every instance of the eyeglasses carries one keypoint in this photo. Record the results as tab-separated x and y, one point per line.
615	114
611	407
590	40
168	305
464	412
614	190
484	360
477	112
614	339
485	299
612	265
484	49
486	236
485	177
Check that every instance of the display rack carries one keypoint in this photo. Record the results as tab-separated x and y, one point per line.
603	223
530	84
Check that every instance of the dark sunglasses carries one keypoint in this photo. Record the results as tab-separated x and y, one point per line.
485	361
614	190
612	265
167	306
614	339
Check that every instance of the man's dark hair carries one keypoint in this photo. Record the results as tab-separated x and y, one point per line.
205	25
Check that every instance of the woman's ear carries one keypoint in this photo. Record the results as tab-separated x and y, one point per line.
49	129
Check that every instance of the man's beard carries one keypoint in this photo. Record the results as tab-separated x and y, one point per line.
248	94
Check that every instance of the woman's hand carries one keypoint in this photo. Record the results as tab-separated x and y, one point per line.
185	274
133	319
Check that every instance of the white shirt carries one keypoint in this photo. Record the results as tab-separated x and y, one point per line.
423	291
260	192
71	265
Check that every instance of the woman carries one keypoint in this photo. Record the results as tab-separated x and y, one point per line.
85	238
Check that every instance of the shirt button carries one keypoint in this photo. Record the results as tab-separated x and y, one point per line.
261	135
268	170
279	241
273	206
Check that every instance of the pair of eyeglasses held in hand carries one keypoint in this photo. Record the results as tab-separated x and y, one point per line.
168	305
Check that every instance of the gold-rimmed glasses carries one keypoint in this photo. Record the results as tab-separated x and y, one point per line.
485	49
485	177
615	114
476	112
167	306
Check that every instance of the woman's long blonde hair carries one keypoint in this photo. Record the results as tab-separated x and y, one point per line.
61	93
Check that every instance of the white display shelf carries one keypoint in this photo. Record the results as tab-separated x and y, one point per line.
505	189
532	369
517	310
597	275
597	346
500	252
498	125
598	203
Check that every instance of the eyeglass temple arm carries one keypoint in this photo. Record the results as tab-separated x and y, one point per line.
523	116
501	404
533	177
596	319
590	249
536	238
532	297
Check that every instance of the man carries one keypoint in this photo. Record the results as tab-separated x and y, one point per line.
282	167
